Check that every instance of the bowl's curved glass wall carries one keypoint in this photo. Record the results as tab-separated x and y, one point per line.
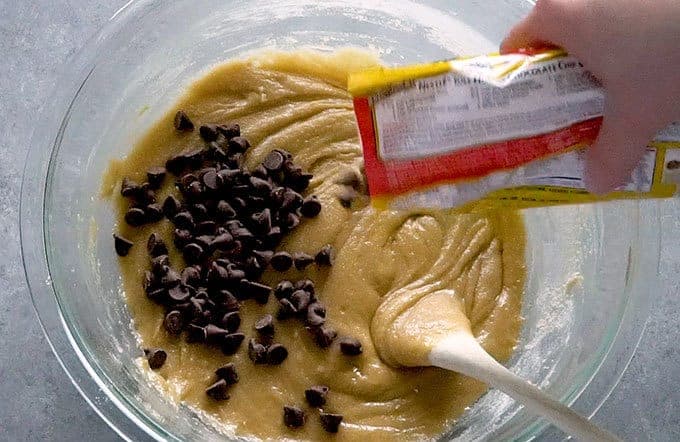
585	262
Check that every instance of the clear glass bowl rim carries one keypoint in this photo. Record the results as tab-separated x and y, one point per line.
107	403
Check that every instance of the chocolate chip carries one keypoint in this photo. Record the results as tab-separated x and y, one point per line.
287	155
323	335
228	373
311	206
238	204
231	321
218	391
235	277
158	295
300	300
214	334
206	228
122	245
230	130
156	357
194	191
286	309
224	211
223	242
199	211
302	260
216	148
290	168
208	132
291	200
303	182
186	179
159	264
155	176
228	301
276	354
190	275
135	217
154	212
274	236
195	333
176	164
350	346
170	277
265	325
238	144
273	161
205	241
148	281
325	256
171	206
181	237
260	172
182	122
263	257
316	314
256	290
156	246
330	422
232	342
277	195
281	261
129	188
146	194
211	180
346	196
291	221
194	157
244	235
192	253
194	311
306	285
261	187
257	352
173	322
283	289
202	293
253	268
293	417
316	395
179	293
262	220
217	275
184	220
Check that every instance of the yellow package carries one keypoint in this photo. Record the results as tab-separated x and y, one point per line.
505	129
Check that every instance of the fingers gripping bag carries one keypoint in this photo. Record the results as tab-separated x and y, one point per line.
498	130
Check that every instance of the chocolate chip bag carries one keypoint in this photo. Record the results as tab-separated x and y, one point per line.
501	130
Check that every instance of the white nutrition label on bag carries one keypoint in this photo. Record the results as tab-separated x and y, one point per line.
465	107
505	130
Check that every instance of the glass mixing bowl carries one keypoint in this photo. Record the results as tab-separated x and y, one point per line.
591	268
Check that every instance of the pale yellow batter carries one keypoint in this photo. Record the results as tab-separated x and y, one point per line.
449	266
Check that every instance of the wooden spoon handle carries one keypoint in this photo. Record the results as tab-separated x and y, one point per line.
462	353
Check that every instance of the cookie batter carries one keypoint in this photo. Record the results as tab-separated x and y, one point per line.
386	263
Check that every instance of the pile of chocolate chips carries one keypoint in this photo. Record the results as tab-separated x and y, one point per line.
228	224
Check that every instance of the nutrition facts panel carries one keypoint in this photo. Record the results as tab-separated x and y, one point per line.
450	112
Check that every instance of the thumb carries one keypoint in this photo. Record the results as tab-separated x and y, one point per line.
543	27
617	150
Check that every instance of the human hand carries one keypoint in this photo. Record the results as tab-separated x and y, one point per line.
633	48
